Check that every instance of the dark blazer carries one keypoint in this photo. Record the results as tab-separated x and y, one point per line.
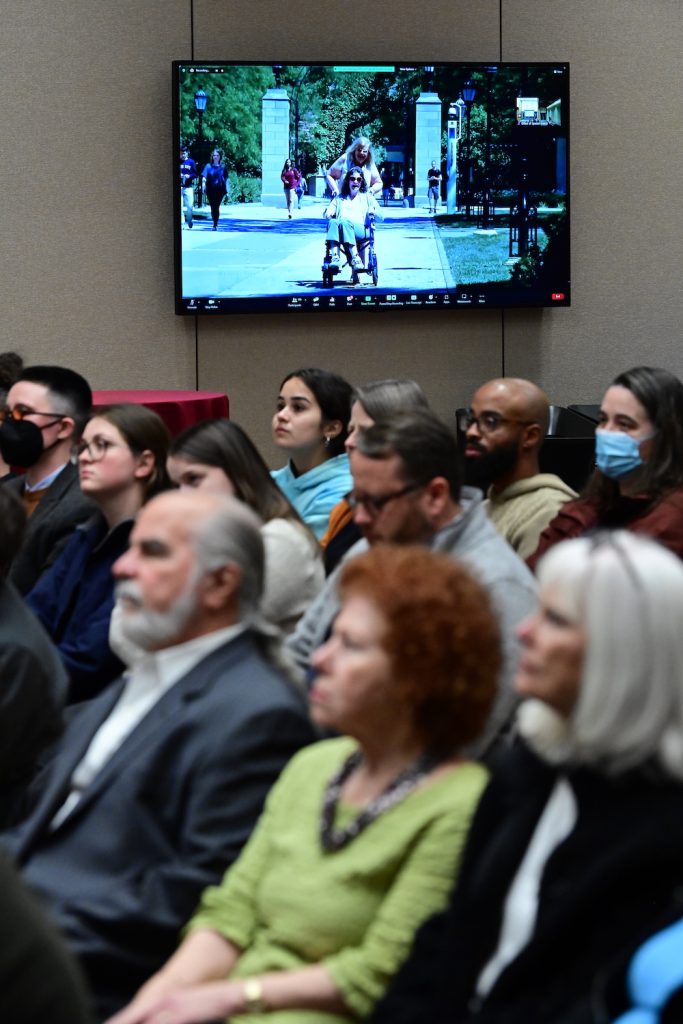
74	601
165	816
59	511
623	858
33	685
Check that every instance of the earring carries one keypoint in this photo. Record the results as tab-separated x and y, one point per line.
328	442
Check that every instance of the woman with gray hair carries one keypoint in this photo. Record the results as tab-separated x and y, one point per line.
578	841
358	154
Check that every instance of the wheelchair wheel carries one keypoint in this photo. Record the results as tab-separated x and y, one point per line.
373	269
328	279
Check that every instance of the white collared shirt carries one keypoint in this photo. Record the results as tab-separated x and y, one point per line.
146	683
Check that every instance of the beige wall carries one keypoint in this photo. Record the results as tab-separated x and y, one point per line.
86	263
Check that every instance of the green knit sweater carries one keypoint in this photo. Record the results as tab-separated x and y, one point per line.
287	903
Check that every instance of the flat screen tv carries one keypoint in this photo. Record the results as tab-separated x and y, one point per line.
311	187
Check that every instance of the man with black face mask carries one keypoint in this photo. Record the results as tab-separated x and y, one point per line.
504	429
45	412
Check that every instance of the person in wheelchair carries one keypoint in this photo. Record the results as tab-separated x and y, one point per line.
348	216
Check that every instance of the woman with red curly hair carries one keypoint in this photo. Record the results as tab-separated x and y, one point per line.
361	837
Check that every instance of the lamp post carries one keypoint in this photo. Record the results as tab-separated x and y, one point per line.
469	91
455	116
200	101
486	211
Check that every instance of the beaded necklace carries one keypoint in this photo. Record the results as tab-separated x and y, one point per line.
334	839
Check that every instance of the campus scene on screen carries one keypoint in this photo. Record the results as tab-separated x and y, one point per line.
306	187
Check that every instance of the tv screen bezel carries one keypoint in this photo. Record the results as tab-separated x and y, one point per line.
485	296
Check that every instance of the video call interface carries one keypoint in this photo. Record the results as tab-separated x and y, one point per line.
454	184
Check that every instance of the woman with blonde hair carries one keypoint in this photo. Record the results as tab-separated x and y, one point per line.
358	154
578	839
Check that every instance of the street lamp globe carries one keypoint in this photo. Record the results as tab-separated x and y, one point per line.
200	100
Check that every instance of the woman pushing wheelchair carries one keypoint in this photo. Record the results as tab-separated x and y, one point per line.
350	216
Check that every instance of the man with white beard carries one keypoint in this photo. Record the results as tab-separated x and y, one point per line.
159	781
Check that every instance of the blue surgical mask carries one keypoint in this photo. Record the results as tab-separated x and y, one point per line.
617	454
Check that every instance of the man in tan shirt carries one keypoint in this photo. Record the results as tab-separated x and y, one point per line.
505	428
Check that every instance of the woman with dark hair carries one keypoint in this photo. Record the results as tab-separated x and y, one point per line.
311	425
578	839
217	455
372	404
215	183
638	481
291	178
121	464
360	833
347	219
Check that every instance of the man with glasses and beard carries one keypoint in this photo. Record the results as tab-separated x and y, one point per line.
407	490
158	782
504	430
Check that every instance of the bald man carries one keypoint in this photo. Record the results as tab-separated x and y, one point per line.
505	428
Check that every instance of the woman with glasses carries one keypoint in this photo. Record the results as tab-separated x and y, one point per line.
361	835
218	456
347	216
638	479
121	464
578	841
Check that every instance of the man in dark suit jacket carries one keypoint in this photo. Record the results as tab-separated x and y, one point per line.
159	781
45	413
33	680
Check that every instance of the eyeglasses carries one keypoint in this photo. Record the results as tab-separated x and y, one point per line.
486	422
355	178
20	412
373	506
96	449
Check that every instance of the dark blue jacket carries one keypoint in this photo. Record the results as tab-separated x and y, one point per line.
74	600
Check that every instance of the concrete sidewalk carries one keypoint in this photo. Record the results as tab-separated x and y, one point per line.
260	251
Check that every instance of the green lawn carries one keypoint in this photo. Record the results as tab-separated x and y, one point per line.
476	258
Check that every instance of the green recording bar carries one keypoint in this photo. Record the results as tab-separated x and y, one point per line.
365	68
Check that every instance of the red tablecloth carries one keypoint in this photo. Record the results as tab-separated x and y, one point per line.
178	409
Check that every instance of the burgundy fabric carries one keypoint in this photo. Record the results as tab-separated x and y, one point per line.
663	521
178	409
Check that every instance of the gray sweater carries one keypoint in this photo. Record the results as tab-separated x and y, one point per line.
472	539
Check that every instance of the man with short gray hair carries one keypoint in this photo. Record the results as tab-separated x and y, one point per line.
159	781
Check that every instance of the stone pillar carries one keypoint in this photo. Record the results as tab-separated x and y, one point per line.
274	145
427	141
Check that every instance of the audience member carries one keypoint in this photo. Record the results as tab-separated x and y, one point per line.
218	456
158	782
372	403
578	839
11	366
361	833
39	981
505	428
33	682
310	425
121	463
407	490
638	481
45	413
